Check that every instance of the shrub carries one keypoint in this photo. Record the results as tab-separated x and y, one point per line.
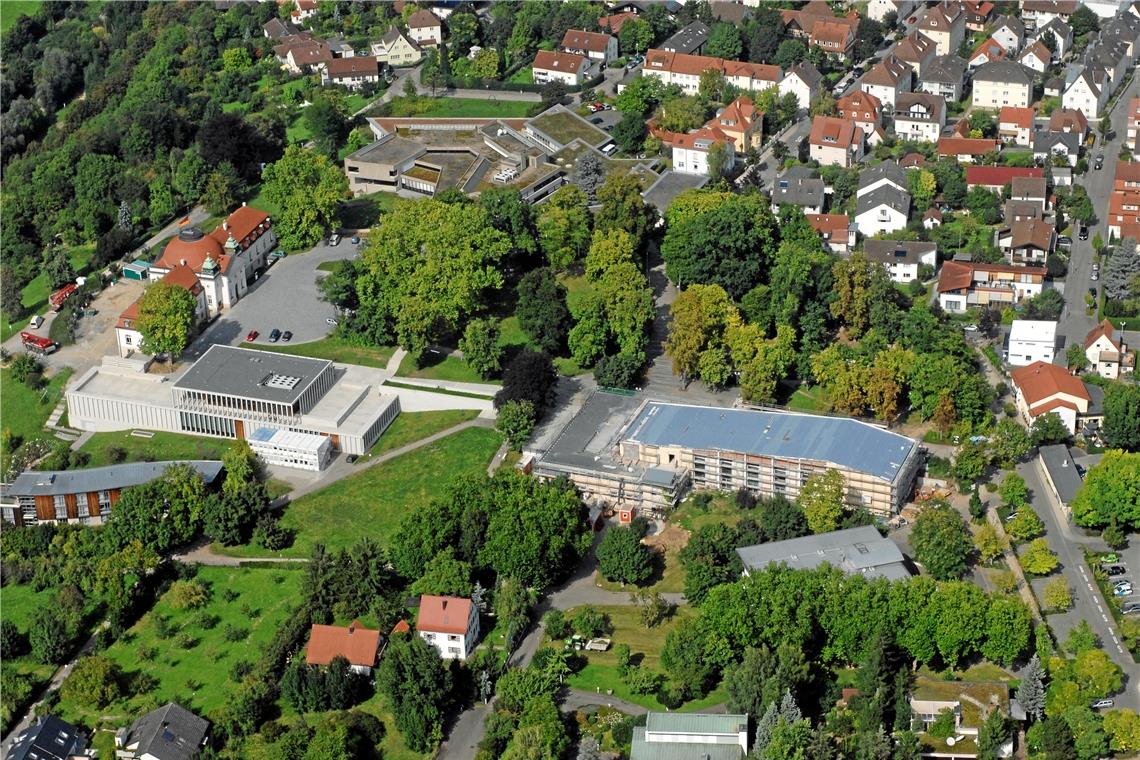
643	681
588	622
943	725
233	634
187	595
556	625
185	640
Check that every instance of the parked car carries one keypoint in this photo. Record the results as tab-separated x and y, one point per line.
1130	608
1125	590
274	335
334	239
1011	516
970	328
351	458
331	321
1084	233
1064	242
1114	570
287	336
1094	277
252	336
596	120
1102	703
356	240
1099	163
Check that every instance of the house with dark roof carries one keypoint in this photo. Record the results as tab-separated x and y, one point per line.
1036	57
425	28
450	624
978	14
882	211
1049	145
887	173
354	73
358	645
919	116
799	186
1030	190
1002	83
690	39
1009	31
1068	120
903	259
276	29
1029	241
945	24
169	733
803	80
944	75
916	50
50	739
887	80
1062	36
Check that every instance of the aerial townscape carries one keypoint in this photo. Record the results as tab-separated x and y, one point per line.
569	380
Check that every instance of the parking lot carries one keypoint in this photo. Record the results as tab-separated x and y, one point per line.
285	298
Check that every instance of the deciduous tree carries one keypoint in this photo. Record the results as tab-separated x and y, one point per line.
167	314
941	542
515	420
542	311
623	558
1037	558
823	500
564	227
1122	416
94	682
480	346
306	188
1111	490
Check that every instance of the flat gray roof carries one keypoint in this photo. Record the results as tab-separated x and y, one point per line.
390	151
53	483
841	441
643	750
261	375
856	551
671	184
1062	471
589	439
695	723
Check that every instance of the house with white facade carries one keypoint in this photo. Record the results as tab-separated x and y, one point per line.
1051	145
1002	83
802	80
450	624
885	174
945	24
1088	92
887	80
354	73
799	186
865	110
692	151
1042	387
919	116
1062	36
1009	31
594	45
962	285
916	50
882	211
568	68
903	259
1107	353
425	28
835	142
1015	125
878	10
357	644
1036	57
944	75
1031	341
1027	241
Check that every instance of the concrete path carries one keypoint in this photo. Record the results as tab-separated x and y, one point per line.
196	216
575	699
1014	563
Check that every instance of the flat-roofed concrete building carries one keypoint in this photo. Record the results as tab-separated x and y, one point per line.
647	454
855	551
680	736
82	496
232	392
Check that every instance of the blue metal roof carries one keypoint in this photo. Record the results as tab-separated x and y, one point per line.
840	441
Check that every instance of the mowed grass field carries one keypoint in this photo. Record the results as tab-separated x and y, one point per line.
199	676
410	427
160	447
334	349
10	10
373	502
24	410
645	647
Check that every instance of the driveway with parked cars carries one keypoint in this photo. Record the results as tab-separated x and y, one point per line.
284	298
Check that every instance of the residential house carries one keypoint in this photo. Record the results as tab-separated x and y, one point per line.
340	47
276	29
425	28
1002	83
128	337
685	71
1030	190
799	186
1016	211
450	624
887	80
835	142
169	733
969	702
863	108
1041	387
802	80
614	22
913	161
931	218
919	116
1036	57
355	643
1088	92
886	174
690	40
1031	340
903	259
1132	129
962	284
1062	37
916	50
1106	352
988	51
354	73
882	211
945	24
878	10
741	123
1068	120
995	178
1009	31
301	53
698	735
1050	145
1015	125
1124	214
693	152
303	10
816	23
944	75
1043	12
730	12
594	45
1062	176
1029	241
978	14
1127	176
395	49
50	738
967	149
568	68
836	230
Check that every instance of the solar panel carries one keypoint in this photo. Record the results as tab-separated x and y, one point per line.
284	382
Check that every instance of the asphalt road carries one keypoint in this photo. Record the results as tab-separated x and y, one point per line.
1088	604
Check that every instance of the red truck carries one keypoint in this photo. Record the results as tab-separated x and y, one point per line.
57	298
36	345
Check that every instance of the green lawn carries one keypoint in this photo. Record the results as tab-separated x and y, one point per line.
525	75
722	509
259	201
601	670
23	410
445	107
448	368
413	426
163	446
20	602
372	502
330	266
807	399
11	10
366	210
298	130
199	676
35	293
333	348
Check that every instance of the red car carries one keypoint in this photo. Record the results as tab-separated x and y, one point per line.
595	107
252	336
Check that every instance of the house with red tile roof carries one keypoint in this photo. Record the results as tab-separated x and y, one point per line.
1027	241
988	51
1068	120
962	285
945	24
995	178
1132	130
887	80
693	151
1124	214
355	643
916	50
1015	125
1036	57
594	45
552	66
836	230
835	142
353	73
978	14
741	123
866	111
1107	353
1040	388
816	23
450	624
684	70
614	23
967	149
1127	176
128	338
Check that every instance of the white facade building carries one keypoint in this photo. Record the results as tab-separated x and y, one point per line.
450	624
287	448
1031	341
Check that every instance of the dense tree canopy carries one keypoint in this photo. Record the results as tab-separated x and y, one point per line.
1111	492
306	187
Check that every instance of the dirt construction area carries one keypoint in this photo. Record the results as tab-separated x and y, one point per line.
95	336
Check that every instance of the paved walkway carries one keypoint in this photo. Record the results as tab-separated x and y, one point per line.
575	699
196	216
1014	563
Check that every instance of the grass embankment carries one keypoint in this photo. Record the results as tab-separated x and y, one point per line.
333	348
24	411
600	673
159	447
410	427
446	107
35	294
373	502
194	663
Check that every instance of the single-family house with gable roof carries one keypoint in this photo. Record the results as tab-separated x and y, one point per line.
169	733
1015	125
396	49
882	211
916	50
1030	190
355	643
836	142
802	80
1029	241
965	284
1036	57
1088	92
836	230
1047	145
49	739
945	24
978	14
1107	353
1041	387
568	68
692	151
354	73
988	51
902	259
967	149
425	28
944	75
450	624
741	123
1069	120
799	186
1009	31
995	178
594	45
863	108
1062	37
919	116
885	174
887	80
1043	12
878	10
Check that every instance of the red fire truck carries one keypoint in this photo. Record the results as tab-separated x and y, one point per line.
57	298
34	344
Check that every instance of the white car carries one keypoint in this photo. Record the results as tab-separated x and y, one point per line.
970	328
1100	704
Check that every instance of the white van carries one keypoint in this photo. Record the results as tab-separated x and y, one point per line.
35	321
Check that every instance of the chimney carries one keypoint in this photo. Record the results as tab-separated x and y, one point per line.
183	262
226	226
352	628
